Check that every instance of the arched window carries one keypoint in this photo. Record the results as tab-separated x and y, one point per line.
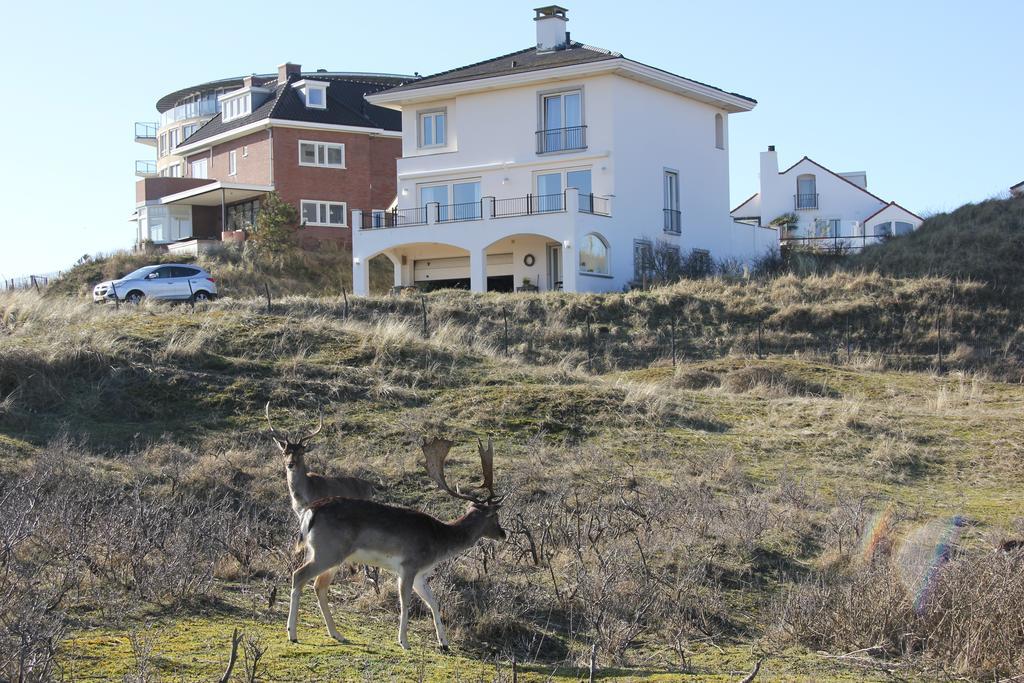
719	131
882	229
593	254
903	228
806	192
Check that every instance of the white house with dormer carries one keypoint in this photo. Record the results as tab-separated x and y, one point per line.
832	210
555	167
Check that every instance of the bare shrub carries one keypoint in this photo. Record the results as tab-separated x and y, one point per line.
773	382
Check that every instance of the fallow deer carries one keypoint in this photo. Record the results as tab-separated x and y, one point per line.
306	487
407	542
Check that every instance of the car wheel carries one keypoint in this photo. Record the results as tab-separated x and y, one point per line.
134	297
201	296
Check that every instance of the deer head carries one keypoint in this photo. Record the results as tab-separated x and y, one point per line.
293	451
435	452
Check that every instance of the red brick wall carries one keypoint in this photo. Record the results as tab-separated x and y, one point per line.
154	188
367	181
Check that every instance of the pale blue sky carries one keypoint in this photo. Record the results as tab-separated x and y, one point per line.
926	97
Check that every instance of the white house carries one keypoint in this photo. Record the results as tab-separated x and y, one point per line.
832	209
559	166
1017	190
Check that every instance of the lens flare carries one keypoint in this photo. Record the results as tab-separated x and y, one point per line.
924	553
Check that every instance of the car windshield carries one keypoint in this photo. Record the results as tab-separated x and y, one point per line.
140	273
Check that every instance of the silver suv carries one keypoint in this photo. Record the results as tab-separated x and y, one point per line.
173	281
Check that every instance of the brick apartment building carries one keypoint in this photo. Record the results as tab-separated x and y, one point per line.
311	137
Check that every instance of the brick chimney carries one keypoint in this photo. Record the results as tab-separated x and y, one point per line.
551	33
288	69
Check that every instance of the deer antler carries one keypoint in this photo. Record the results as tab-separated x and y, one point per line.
273	432
316	431
435	451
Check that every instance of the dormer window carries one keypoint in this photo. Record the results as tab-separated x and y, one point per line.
313	93
237	107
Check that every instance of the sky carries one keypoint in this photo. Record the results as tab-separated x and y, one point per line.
925	97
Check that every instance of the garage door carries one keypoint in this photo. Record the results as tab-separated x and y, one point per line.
457	267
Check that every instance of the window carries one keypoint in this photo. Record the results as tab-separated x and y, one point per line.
245	150
232	162
322	154
594	255
433	128
237	107
465	200
673	217
882	230
829	227
162	144
377	216
643	260
551	186
188	130
197	169
561	122
316	96
183	271
332	214
903	228
719	131
243	216
806	192
174	171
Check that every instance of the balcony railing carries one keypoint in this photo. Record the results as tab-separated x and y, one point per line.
529	205
805	201
469	211
394	219
673	221
190	110
145	132
592	203
145	169
561	139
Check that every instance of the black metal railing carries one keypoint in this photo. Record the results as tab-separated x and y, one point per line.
145	168
469	211
397	218
835	244
673	221
145	130
529	205
805	201
595	204
561	139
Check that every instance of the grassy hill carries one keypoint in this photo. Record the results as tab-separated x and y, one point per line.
982	242
684	521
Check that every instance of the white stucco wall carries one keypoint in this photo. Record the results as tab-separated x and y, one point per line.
634	133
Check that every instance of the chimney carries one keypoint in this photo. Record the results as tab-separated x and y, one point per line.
287	69
247	82
769	167
551	33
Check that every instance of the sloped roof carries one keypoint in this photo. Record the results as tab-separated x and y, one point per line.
532	59
745	202
891	205
346	106
830	171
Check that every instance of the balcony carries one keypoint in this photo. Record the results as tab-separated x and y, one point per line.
145	169
673	221
145	132
561	139
488	208
804	202
190	110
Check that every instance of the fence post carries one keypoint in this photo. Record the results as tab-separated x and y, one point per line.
423	305
117	301
504	315
590	345
673	328
759	326
847	338
266	290
344	295
191	296
938	347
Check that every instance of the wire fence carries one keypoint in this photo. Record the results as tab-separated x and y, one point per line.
36	282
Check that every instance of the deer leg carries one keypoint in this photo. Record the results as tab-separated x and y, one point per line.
423	590
322	585
300	577
404	597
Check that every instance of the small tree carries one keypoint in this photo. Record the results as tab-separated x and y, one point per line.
276	224
787	223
